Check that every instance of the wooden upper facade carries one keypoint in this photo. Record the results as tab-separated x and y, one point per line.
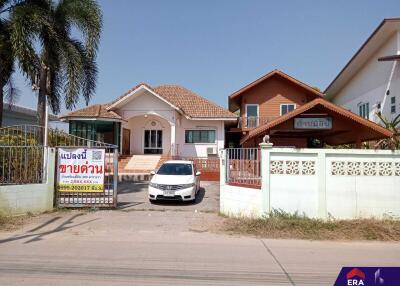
294	114
269	97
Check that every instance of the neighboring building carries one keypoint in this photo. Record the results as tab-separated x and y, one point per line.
19	115
370	81
167	119
294	114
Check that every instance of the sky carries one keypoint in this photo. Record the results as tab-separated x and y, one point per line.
215	47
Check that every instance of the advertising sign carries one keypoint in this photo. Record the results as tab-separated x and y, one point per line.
313	123
368	276
81	170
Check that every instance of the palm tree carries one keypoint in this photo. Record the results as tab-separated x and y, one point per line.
7	59
393	125
67	67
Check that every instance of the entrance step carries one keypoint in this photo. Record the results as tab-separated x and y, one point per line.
138	163
131	177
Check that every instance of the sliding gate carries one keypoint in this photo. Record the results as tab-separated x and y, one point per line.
80	196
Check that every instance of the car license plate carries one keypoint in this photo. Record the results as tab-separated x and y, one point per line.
169	193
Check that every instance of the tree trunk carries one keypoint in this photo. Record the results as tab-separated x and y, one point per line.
41	105
1	104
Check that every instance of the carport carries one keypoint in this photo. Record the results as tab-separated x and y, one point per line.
321	120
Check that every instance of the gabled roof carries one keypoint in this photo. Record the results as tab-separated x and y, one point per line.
384	31
97	111
280	73
191	103
381	131
182	99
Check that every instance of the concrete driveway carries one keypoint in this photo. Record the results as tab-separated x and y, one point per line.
169	248
133	196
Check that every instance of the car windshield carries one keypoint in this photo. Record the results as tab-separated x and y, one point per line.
175	169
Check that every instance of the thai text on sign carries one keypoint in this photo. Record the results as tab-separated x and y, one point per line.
313	123
81	170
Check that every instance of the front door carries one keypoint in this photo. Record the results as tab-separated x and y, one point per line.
153	142
126	141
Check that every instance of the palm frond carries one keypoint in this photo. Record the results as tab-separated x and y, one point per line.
87	17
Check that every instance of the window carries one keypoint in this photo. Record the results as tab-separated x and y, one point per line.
200	136
285	108
363	110
393	104
252	115
175	169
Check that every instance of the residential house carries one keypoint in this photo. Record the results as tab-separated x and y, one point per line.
293	114
370	81
20	115
167	120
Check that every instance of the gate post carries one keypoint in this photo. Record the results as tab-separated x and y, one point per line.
115	174
265	177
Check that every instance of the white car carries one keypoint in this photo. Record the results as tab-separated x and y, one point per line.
175	180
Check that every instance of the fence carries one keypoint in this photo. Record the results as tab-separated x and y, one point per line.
21	165
319	183
243	167
21	146
32	135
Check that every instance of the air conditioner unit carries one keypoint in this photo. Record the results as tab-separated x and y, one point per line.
211	151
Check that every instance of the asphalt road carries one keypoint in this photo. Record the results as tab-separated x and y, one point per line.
169	248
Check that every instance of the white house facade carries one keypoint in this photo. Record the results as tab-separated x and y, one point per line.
370	81
166	120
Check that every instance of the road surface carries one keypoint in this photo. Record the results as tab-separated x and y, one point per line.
169	248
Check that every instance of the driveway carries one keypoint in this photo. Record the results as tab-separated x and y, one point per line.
169	248
133	196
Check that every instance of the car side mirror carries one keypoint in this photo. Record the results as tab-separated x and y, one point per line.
152	173
198	173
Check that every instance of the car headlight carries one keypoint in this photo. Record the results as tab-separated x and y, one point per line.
154	185
184	186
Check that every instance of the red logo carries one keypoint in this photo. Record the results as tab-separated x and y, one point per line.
355	272
355	277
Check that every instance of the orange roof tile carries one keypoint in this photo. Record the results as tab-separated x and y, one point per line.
318	101
93	111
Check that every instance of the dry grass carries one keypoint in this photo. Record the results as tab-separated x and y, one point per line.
283	225
9	223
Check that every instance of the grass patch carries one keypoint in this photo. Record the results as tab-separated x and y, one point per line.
295	226
9	223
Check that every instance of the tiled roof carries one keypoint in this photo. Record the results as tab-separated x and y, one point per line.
383	132
280	73
192	104
186	101
93	111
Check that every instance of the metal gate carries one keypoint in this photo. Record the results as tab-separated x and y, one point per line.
106	199
22	146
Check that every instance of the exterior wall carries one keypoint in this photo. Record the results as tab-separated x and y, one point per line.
370	83
270	94
33	198
138	124
145	108
198	149
147	103
11	118
319	183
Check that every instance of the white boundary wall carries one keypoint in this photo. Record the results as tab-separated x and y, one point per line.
30	198
320	183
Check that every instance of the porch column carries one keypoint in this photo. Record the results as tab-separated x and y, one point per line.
173	140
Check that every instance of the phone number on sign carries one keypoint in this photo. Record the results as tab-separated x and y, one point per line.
80	188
